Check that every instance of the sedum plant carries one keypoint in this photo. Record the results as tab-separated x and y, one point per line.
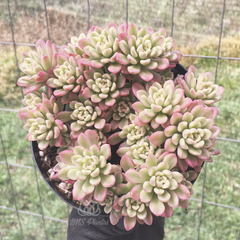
45	122
126	134
145	52
69	78
157	185
202	87
104	88
101	47
158	103
132	210
190	134
86	164
38	66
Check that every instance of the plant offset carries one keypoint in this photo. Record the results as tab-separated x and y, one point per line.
115	86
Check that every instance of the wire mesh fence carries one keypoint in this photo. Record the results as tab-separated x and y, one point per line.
93	12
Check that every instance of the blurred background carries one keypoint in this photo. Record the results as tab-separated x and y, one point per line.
207	32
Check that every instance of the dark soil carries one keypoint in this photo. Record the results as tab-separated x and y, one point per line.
48	161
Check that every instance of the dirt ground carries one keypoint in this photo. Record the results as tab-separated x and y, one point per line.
28	29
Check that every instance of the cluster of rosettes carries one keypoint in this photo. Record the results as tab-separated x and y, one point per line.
115	85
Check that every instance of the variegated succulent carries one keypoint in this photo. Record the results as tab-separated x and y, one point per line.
104	88
127	135
73	48
32	99
157	103
202	87
86	164
190	134
45	123
145	52
69	78
132	133
133	211
120	113
101	47
157	185
85	114
139	151
38	66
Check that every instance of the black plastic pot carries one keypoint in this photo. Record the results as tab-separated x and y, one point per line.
52	184
179	69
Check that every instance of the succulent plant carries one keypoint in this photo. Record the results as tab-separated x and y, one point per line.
157	185
119	113
38	66
132	133
32	99
132	210
101	47
73	48
45	124
69	79
157	103
165	75
109	201
104	88
86	164
139	151
114	86
113	193
144	51
189	177
65	186
202	87
101	133
190	133
85	115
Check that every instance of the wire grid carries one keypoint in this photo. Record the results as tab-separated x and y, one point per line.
5	162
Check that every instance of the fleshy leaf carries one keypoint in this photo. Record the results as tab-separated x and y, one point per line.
133	176
157	138
100	193
129	222
77	192
126	163
156	206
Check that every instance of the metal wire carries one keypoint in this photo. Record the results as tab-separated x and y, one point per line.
17	165
34	214
64	221
12	189
30	167
173	4
8	110
13	39
46	18
228	139
211	57
68	209
192	199
215	204
126	11
201	208
220	37
88	20
19	44
185	55
40	200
